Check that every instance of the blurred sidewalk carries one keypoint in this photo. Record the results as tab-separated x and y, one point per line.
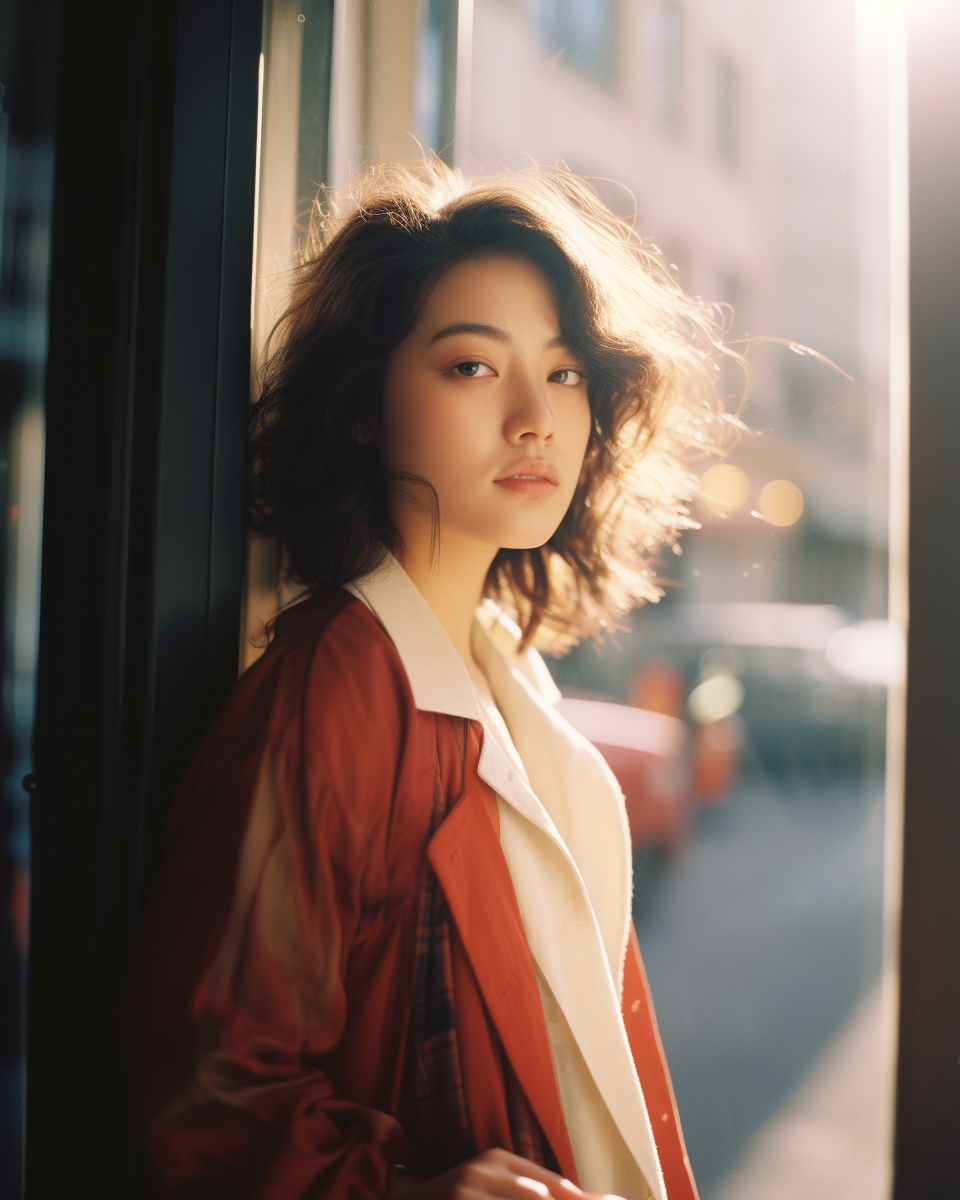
762	939
828	1141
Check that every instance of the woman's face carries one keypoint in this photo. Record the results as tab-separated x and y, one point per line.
485	402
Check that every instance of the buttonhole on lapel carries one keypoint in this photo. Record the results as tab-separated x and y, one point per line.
454	853
510	776
635	1006
509	985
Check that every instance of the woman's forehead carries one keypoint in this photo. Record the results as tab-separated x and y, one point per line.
501	296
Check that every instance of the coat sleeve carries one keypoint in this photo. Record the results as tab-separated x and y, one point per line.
238	996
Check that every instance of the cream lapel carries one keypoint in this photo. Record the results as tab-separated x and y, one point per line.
437	675
574	785
573	891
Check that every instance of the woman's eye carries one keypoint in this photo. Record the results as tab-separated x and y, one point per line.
568	377
471	370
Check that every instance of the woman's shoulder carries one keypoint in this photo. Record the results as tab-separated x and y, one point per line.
341	654
329	697
329	667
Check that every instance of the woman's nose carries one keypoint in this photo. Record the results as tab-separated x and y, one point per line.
530	417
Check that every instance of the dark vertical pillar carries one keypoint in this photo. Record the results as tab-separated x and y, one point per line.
927	1144
147	394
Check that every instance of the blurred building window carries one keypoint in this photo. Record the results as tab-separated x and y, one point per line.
580	33
728	111
437	75
665	35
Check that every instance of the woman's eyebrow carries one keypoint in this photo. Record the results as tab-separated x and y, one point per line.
490	331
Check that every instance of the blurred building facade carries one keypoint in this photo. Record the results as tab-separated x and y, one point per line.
734	136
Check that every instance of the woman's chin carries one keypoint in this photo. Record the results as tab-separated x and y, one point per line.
527	541
511	534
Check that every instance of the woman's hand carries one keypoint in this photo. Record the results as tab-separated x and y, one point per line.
495	1173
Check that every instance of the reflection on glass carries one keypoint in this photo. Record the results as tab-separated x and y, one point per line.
340	84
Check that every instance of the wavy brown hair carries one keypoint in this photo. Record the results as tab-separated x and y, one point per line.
317	482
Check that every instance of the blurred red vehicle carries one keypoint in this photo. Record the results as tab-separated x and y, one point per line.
664	771
648	753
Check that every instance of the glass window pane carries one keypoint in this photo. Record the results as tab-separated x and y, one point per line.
759	851
759	856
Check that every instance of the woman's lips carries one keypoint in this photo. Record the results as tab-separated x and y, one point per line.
527	485
531	477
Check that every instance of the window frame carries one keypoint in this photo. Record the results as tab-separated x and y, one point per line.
147	397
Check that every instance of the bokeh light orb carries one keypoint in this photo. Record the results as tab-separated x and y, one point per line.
717	697
781	502
724	488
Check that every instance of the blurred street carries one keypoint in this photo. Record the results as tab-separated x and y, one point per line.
761	938
831	1139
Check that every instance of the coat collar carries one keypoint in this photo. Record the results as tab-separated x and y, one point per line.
437	675
440	682
572	887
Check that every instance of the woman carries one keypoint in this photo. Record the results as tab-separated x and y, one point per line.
390	951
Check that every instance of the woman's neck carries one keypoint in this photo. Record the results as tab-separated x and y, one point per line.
451	578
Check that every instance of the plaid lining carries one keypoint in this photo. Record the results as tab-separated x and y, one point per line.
439	1081
438	1076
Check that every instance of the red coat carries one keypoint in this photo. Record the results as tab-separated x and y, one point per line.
270	1008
